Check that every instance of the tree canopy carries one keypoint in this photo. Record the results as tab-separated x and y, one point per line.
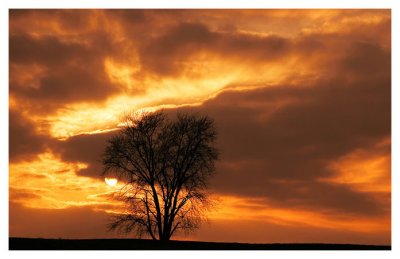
166	165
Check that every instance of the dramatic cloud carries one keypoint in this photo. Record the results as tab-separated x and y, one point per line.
72	71
278	142
86	149
177	48
24	141
301	100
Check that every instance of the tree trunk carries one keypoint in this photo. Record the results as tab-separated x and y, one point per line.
166	234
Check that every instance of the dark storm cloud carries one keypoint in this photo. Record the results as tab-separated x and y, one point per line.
49	50
366	58
255	179
24	141
85	148
129	17
168	53
71	84
280	150
66	19
165	54
74	61
74	72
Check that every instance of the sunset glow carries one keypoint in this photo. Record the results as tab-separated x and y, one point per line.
300	98
111	181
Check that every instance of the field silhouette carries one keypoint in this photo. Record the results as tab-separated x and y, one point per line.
144	244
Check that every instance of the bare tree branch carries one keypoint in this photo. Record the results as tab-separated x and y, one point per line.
166	165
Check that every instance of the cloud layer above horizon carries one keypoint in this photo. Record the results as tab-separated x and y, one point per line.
301	100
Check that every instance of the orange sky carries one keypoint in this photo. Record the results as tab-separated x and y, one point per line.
301	101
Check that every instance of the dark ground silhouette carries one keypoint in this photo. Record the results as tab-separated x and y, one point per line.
143	244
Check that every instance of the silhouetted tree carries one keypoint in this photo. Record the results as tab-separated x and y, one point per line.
165	165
